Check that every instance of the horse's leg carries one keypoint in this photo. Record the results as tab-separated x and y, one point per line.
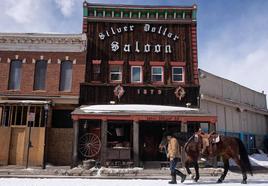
196	167
187	166
226	168
243	170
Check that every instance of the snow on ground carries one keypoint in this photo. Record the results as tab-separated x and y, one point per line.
133	108
256	160
117	182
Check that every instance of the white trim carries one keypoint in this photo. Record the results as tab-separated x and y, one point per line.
74	61
120	73
162	74
131	73
172	74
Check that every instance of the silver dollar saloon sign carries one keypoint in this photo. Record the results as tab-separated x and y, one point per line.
114	46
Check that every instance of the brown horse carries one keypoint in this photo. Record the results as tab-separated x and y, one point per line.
192	148
226	147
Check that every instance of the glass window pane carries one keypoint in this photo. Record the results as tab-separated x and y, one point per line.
177	70
177	77
157	78
115	72
66	76
15	75
115	77
157	70
40	75
136	74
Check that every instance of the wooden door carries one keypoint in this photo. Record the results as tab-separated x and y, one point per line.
17	146
36	151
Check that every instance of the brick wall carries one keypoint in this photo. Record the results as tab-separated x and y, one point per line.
59	148
52	76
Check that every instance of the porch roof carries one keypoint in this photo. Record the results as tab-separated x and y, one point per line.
141	112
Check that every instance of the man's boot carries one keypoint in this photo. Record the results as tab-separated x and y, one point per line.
173	178
179	173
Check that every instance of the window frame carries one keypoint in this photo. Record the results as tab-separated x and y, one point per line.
131	74
36	74
162	75
9	87
182	74
60	83
120	73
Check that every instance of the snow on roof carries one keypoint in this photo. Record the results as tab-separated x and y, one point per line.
133	108
24	102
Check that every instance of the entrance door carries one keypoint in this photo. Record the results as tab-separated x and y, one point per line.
17	146
151	136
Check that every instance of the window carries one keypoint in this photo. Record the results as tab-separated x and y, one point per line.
96	72
177	74
40	75
66	76
157	74
115	72
14	75
136	74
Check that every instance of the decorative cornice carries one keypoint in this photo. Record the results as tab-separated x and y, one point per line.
43	42
148	13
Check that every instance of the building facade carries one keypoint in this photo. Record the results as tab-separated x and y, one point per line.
241	112
39	87
142	55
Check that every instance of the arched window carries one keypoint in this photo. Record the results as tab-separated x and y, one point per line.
40	75
15	75
66	76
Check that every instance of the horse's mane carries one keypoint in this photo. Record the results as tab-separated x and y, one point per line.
182	137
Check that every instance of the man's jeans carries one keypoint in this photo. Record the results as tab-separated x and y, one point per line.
173	164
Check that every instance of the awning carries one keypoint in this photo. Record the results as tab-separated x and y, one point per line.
141	112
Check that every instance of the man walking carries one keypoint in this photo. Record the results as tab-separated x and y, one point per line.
173	154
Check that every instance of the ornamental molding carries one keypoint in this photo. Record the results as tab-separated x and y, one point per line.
119	91
180	92
43	42
16	57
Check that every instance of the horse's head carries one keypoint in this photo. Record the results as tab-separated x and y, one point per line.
162	144
208	141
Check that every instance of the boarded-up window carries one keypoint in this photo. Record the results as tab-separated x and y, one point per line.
15	75
96	72
40	75
66	76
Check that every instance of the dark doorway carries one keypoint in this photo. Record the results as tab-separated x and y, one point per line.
150	137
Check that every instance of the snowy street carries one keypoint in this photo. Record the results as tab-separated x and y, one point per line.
124	182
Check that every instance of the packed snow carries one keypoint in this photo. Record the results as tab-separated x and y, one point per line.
119	182
255	160
134	108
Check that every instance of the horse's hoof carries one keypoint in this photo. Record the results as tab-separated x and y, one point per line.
191	176
219	181
196	179
244	182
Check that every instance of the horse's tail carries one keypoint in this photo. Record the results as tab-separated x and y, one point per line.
244	156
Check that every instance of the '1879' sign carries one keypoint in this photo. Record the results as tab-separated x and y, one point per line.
137	47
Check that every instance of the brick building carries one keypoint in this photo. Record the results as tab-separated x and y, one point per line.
39	87
127	55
